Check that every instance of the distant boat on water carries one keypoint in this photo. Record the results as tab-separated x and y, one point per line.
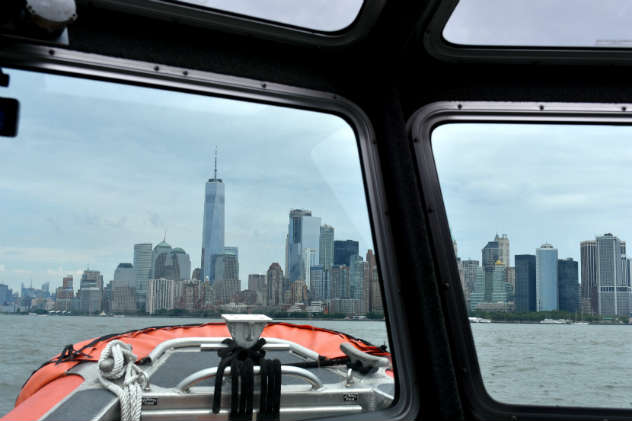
554	322
479	320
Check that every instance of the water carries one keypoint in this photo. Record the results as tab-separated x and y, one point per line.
521	363
28	341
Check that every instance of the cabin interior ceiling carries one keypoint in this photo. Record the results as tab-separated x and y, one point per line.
389	75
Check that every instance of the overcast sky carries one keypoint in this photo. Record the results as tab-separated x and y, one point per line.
98	167
560	184
541	22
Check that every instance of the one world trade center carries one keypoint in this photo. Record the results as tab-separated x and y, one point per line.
213	225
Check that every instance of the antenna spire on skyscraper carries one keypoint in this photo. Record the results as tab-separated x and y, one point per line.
215	173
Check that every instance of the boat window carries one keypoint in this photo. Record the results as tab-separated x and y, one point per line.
125	207
319	15
538	215
542	23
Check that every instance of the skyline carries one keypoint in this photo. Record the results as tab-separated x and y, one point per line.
90	193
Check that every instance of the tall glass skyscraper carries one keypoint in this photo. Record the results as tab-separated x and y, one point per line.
303	233
525	297
142	271
213	225
546	278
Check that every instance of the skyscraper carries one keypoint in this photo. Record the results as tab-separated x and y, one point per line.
470	270
212	225
546	278
142	272
274	282
344	250
303	233
525	296
568	284
375	292
326	248
490	255
124	275
356	277
612	280
91	292
503	249
124	289
589	294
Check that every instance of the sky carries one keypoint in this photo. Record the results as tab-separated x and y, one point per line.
97	167
579	23
537	183
324	15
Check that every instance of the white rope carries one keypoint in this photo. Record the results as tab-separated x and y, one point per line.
118	361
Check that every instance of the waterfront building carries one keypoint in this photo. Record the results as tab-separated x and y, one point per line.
499	292
478	291
588	261
90	300
161	294
326	247
525	291
319	283
356	276
346	306
344	251
490	255
546	278
106	307
568	284
274	283
225	290
303	233
340	286
64	294
124	289
142	272
213	229
191	298
612	281
470	269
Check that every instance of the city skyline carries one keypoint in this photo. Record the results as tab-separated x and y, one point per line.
63	216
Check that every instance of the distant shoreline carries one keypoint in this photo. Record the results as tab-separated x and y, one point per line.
159	316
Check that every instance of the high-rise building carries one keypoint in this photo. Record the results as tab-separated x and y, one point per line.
161	248
256	282
274	282
309	260
64	295
470	270
299	292
375	292
478	291
124	275
525	294
226	267
490	255
213	225
91	292
612	280
339	281
356	277
503	249
142	272
231	250
499	284
568	284
303	233
183	261
124	289
546	278
171	263
319	283
67	282
588	261
161	294
91	279
4	294
344	250
326	247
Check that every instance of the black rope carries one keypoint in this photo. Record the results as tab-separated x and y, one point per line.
242	362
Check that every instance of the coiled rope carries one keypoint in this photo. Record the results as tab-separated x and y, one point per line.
117	361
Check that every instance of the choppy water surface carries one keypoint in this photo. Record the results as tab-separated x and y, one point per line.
529	364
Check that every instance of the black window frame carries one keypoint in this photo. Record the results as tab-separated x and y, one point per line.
67	62
437	46
475	399
235	23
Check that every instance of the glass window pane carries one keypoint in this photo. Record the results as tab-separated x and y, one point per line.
154	208
320	15
539	214
541	23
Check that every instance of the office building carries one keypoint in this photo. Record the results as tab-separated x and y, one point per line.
568	284
142	272
588	260
303	233
213	225
326	247
503	249
319	283
375	292
124	289
274	283
161	295
344	250
525	291
612	281
546	278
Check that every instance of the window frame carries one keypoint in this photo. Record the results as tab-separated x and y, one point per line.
437	46
475	399
260	28
66	62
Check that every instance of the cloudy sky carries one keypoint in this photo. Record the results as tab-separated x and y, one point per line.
97	167
560	184
578	23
